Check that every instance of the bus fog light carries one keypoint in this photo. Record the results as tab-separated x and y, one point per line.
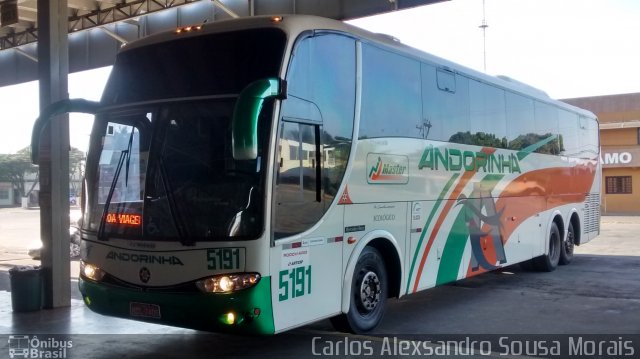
232	318
91	271
228	283
229	318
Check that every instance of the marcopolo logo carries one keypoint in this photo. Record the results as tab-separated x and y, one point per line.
387	169
453	159
24	346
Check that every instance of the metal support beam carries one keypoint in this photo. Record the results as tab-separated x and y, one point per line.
224	8
25	54
112	34
120	11
53	70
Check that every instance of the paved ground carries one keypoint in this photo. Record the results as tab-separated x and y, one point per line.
599	293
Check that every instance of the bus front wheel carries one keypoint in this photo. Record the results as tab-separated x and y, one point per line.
368	294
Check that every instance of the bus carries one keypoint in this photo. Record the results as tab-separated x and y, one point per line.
19	346
259	174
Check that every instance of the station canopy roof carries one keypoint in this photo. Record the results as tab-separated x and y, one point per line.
97	28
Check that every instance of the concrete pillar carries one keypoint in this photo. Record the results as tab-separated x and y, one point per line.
53	70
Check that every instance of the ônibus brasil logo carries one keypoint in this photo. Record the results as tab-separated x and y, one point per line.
387	169
24	346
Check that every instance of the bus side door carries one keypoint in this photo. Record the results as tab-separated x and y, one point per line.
313	146
306	259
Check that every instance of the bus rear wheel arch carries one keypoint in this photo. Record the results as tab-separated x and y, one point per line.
549	261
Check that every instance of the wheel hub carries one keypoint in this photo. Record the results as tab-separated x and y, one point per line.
569	243
370	290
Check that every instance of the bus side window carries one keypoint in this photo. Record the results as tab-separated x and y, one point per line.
521	128
391	95
447	110
488	116
570	132
446	80
588	139
546	121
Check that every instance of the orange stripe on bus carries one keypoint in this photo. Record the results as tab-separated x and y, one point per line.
445	211
534	192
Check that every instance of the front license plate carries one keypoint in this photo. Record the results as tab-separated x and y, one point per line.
144	310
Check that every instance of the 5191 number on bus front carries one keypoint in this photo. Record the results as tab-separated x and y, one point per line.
225	258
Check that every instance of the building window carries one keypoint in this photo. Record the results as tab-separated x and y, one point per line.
4	194
618	185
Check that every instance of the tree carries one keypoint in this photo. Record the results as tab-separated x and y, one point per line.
478	139
529	139
14	168
76	166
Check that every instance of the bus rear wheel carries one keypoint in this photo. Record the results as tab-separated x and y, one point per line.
368	294
549	262
566	253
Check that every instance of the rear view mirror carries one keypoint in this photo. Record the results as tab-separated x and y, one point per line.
244	126
56	109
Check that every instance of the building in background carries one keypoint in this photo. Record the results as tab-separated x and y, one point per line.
619	117
6	194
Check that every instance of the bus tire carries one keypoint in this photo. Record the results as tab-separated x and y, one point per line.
566	252
368	294
549	262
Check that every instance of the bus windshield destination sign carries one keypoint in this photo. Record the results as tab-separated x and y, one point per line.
124	219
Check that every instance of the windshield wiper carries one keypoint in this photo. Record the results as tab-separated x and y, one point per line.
180	228
126	154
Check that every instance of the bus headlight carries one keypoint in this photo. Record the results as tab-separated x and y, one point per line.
228	282
91	271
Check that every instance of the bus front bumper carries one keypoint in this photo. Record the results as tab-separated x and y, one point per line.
245	311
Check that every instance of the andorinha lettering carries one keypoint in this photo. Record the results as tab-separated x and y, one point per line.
144	258
452	159
128	219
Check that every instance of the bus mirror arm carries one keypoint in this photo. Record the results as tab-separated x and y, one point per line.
55	109
244	124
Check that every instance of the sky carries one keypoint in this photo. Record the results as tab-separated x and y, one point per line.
19	109
568	48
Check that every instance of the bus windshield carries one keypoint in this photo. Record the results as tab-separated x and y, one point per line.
167	172
210	64
160	163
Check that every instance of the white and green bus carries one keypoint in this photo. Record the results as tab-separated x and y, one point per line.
258	174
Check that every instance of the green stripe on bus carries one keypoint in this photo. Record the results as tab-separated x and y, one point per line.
195	310
458	237
528	150
427	224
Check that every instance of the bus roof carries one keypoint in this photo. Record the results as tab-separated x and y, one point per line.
294	25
